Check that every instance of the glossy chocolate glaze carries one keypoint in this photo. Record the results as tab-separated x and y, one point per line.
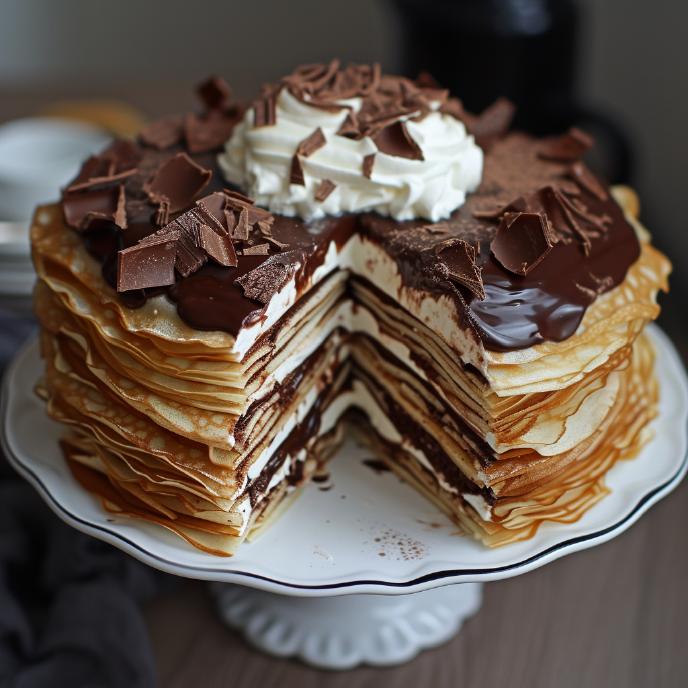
518	311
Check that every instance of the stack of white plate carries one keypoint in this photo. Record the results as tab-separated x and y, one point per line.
17	275
38	156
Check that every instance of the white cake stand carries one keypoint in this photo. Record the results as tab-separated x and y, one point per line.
330	582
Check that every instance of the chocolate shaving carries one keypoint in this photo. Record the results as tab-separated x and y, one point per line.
215	204
350	126
215	93
457	263
265	228
324	190
492	123
218	246
395	140
569	217
162	214
264	114
178	181
259	250
242	227
522	241
311	144
580	173
274	242
296	175
204	134
101	183
149	264
267	279
84	209
568	147
368	163
163	133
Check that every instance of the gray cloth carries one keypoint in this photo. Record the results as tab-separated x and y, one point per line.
69	603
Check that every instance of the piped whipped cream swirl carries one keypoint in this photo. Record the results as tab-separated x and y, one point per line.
259	160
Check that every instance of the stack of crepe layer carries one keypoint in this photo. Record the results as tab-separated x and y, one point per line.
183	427
533	433
185	430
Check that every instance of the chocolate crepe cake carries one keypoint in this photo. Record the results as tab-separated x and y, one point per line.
217	299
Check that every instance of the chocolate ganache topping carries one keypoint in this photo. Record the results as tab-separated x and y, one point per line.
523	257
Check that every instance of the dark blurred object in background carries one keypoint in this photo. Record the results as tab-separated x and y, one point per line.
526	50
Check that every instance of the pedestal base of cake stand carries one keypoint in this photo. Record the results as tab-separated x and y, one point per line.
344	632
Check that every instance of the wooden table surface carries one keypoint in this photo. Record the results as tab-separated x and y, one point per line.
614	615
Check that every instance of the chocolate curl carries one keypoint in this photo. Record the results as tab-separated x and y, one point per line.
324	190
368	163
522	241
395	140
456	261
178	181
83	209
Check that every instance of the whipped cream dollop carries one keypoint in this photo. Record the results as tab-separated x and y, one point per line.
259	160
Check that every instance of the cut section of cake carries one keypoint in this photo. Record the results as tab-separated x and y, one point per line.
219	298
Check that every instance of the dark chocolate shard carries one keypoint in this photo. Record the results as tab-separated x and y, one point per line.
395	140
218	246
83	209
296	175
324	190
204	134
263	282
163	133
568	216
190	257
311	144
493	123
215	93
242	228
279	245
264	114
586	179
265	228
368	163
350	126
522	241
179	181
568	147
259	250
457	262
267	279
215	204
101	183
162	214
149	264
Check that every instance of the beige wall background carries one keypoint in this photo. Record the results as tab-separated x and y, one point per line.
634	65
